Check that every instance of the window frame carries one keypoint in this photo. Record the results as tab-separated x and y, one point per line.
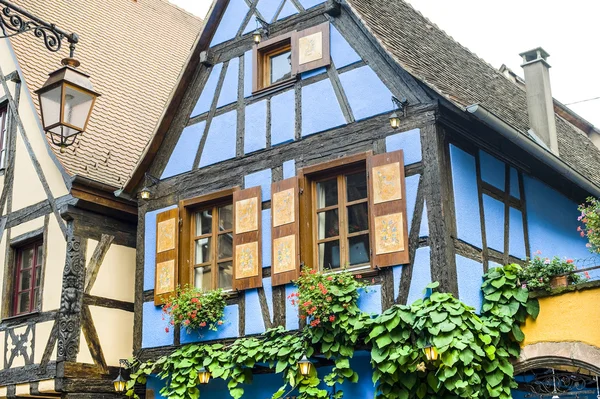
308	177
187	209
214	235
262	53
16	291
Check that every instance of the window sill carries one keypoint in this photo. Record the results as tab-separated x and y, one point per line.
275	87
23	316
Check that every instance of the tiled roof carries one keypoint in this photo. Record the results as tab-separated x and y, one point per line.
433	57
134	51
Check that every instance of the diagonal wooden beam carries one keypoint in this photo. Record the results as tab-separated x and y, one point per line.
96	261
91	337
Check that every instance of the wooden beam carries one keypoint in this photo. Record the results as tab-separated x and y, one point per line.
97	258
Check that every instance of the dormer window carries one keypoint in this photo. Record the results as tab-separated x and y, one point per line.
279	60
273	63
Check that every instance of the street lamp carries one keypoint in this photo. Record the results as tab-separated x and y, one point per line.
262	27
305	366
431	352
67	98
203	375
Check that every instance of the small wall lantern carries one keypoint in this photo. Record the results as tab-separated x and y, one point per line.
262	27
431	353
305	366
203	375
400	105
66	101
149	181
120	383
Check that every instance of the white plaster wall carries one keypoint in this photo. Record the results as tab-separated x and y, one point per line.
115	332
42	335
33	130
55	264
115	279
27	227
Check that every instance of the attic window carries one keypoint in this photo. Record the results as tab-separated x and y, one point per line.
279	60
273	63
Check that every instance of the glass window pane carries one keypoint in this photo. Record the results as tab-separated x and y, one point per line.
359	250
226	275
26	258
328	225
202	278
38	276
77	107
356	186
226	217
225	246
327	193
202	251
329	255
23	301
203	222
358	218
25	280
281	67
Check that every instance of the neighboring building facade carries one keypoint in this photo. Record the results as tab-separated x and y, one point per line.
67	244
280	155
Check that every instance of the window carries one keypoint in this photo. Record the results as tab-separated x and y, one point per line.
212	247
28	276
3	134
341	219
273	63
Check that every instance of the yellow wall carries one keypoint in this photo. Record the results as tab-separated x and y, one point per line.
570	317
116	276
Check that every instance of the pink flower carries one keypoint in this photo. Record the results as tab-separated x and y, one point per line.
523	285
329	278
332	318
538	252
578	228
359	276
203	324
582	234
587	275
588	245
166	329
187	322
194	300
569	260
220	322
547	261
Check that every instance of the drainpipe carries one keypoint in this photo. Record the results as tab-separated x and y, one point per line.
532	148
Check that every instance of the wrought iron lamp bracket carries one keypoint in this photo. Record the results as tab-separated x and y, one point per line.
15	20
399	104
264	25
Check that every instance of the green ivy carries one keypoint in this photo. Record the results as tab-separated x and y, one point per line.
474	351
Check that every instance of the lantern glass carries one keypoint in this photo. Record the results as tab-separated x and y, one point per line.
145	193
305	366
66	101
203	376
430	353
76	107
394	121
257	36
120	383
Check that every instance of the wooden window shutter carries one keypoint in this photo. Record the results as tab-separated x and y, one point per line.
247	239
167	244
310	48
285	245
387	204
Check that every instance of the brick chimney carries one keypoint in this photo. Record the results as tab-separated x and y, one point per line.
540	105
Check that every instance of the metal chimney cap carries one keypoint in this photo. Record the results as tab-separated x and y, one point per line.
537	54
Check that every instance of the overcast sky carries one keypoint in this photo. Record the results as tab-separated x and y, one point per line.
498	31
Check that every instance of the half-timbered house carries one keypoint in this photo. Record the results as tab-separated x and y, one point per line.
67	244
279	155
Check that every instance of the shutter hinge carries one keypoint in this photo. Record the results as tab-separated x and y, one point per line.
301	264
180	221
301	191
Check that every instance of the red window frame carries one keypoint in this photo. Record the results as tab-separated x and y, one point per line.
34	280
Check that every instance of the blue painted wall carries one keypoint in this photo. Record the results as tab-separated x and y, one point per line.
466	199
470	277
552	222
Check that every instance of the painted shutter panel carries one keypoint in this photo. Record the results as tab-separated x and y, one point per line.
310	48
247	239
167	244
285	245
387	208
